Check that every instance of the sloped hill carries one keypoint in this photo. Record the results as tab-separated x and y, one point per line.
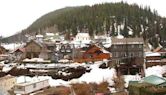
113	18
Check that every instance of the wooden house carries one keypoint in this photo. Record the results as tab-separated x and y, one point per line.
34	49
93	53
127	55
19	53
155	58
44	50
2	50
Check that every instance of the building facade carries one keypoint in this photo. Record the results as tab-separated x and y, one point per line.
128	55
6	83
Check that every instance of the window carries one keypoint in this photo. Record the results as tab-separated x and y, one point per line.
115	46
34	85
140	54
140	46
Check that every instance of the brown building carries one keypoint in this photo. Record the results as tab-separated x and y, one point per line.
19	54
44	50
93	53
2	50
127	55
35	49
157	57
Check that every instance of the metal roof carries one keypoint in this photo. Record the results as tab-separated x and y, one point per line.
155	80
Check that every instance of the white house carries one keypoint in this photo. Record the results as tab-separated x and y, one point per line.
81	39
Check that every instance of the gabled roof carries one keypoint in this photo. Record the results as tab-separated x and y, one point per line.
20	49
160	49
37	43
155	80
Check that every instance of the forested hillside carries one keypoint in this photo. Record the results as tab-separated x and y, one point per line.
129	20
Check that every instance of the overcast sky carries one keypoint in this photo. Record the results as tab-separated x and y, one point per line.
17	15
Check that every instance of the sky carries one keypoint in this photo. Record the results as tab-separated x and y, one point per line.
16	15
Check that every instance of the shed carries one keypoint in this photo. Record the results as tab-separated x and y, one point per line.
29	87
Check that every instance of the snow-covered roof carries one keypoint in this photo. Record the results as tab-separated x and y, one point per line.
35	60
50	34
39	36
120	37
152	54
83	34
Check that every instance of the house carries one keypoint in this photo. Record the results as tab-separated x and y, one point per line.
157	57
81	39
44	50
66	50
93	53
34	49
153	59
151	85
19	53
6	83
52	51
2	50
127	55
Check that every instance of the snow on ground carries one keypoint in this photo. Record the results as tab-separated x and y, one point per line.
96	75
155	70
8	67
51	65
128	78
150	46
12	46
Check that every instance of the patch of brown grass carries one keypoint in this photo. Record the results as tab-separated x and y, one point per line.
61	90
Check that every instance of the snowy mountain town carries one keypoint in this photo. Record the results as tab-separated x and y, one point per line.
90	48
114	64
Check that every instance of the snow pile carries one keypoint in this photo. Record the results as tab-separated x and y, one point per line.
97	75
119	35
150	46
155	70
6	69
128	78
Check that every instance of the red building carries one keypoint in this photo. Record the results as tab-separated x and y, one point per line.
93	53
